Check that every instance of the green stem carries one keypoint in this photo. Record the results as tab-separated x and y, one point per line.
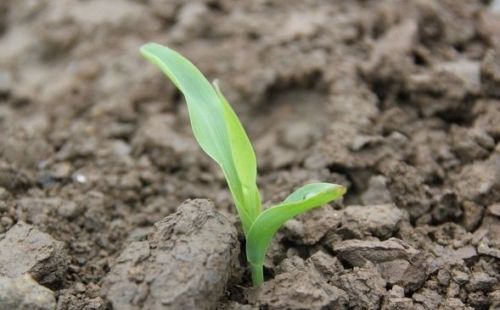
257	274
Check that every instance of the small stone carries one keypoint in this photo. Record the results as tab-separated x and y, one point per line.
23	293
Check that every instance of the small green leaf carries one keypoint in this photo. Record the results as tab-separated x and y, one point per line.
269	221
215	127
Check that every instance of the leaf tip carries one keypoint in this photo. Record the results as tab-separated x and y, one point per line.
146	48
152	49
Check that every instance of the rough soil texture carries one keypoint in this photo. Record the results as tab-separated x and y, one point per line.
195	246
398	100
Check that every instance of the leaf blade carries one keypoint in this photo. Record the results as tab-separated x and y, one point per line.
201	98
213	122
269	221
243	155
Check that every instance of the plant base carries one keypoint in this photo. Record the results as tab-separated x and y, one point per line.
257	274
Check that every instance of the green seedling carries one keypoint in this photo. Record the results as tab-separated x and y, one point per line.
221	135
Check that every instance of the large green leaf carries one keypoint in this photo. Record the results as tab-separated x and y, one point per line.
215	127
269	221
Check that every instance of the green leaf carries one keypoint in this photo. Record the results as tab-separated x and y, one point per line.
215	127
243	155
308	197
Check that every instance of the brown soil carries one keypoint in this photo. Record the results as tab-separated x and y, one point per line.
398	100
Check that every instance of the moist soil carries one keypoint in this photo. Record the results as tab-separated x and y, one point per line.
397	100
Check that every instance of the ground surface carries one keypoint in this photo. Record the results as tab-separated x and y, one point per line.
398	100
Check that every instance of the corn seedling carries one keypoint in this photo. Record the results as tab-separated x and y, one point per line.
221	135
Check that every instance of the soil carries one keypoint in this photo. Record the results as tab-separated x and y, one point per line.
397	100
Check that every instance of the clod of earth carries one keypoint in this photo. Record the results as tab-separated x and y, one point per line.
185	263
397	262
25	249
303	285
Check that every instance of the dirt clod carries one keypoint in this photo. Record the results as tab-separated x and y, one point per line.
304	231
25	249
185	263
380	221
365	287
300	286
397	262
